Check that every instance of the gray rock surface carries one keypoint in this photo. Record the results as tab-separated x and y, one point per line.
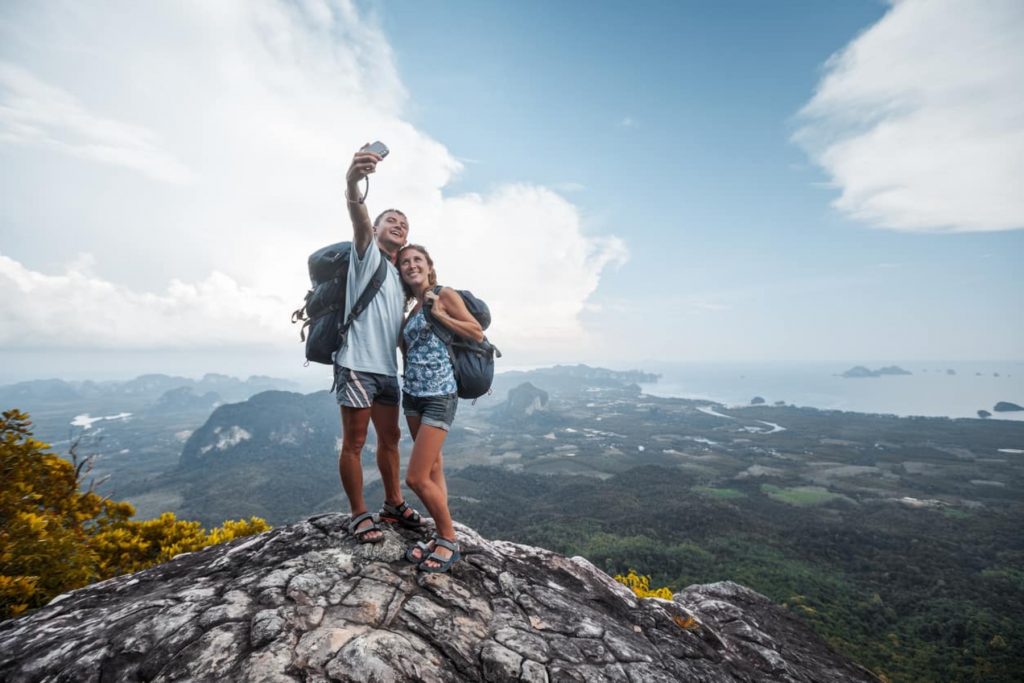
305	602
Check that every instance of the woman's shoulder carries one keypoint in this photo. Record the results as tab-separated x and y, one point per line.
448	293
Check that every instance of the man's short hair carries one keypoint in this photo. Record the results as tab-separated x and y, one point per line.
376	221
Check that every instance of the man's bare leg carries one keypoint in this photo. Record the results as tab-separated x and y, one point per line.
354	423
385	424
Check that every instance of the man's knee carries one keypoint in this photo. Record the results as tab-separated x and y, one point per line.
388	436
352	444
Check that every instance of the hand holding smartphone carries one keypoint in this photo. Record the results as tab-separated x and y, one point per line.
362	166
378	148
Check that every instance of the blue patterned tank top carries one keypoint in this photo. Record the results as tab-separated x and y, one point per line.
428	369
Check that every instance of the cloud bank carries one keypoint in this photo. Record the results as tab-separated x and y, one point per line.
919	121
169	167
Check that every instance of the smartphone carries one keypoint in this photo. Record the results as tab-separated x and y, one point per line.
378	148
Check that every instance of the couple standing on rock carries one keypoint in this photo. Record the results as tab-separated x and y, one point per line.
366	373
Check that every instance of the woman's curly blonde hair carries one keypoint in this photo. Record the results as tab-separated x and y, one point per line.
431	276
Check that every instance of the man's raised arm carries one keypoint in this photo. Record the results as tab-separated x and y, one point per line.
363	164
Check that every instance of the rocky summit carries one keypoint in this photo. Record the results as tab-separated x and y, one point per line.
306	602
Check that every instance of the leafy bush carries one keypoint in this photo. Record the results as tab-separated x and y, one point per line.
641	585
55	537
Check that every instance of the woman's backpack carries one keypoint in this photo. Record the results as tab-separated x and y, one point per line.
323	327
472	361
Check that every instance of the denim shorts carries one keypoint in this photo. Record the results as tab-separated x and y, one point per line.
436	411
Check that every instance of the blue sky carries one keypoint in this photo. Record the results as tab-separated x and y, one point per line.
624	183
670	124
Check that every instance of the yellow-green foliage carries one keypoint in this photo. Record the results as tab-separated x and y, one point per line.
641	585
55	537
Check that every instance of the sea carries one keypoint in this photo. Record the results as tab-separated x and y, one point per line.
934	389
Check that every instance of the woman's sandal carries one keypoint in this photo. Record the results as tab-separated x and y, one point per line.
396	514
360	534
424	547
443	564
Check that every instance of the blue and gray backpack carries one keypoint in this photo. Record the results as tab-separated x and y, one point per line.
323	326
472	361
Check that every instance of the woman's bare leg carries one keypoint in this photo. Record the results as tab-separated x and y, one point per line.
425	476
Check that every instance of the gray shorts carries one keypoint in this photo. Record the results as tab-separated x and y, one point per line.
358	389
436	411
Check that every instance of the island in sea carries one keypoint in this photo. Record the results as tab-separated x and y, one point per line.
859	371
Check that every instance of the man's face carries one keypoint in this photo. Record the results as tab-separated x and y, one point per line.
392	231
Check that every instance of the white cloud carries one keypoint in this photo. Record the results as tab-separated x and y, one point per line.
251	109
35	113
78	310
522	250
627	122
920	120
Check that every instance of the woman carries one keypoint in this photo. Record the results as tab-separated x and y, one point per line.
429	397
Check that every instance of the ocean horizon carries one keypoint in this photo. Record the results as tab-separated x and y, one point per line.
954	389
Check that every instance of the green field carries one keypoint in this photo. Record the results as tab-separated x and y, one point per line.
721	494
801	495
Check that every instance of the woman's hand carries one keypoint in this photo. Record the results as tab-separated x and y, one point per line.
436	304
450	309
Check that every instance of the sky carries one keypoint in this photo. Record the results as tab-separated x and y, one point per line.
623	183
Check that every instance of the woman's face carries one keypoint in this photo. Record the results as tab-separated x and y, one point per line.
414	268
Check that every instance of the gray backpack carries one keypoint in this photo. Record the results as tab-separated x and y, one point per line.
323	329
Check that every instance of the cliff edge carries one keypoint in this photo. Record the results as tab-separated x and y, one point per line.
305	602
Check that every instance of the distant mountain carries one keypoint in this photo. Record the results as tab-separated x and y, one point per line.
524	401
1006	407
136	428
571	379
275	425
145	387
859	371
274	456
44	389
186	398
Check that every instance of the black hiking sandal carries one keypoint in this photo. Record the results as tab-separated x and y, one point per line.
396	515
425	547
443	565
360	534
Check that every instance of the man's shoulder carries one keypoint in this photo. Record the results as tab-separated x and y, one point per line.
371	260
372	252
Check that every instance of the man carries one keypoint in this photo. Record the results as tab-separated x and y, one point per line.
366	370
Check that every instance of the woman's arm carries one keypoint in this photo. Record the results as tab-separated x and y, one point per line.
401	330
450	310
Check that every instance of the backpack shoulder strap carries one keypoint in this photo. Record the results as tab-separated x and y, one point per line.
442	332
372	287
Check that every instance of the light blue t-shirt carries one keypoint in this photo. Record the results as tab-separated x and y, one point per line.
372	342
